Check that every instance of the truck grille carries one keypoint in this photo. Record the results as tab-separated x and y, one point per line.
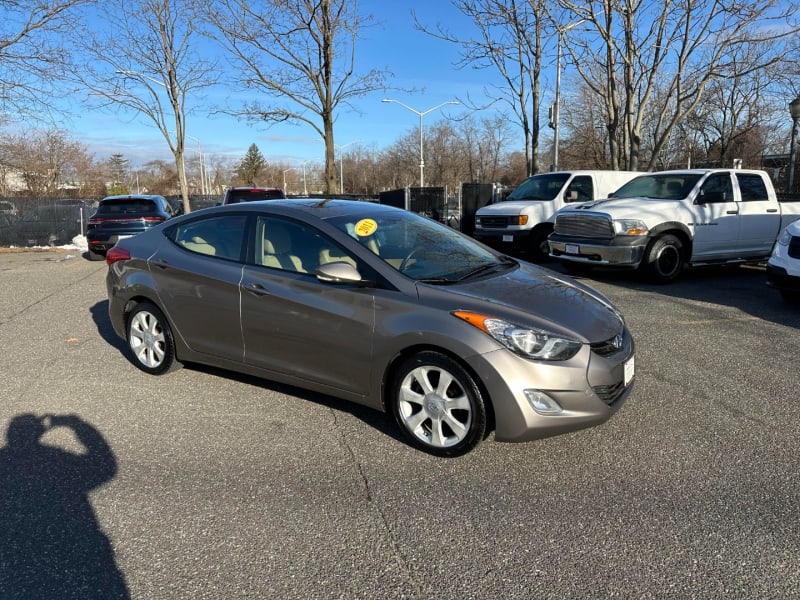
585	226
494	222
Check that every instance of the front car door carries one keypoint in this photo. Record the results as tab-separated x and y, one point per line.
716	219
296	325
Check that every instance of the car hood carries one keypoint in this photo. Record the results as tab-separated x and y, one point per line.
509	207
535	297
626	208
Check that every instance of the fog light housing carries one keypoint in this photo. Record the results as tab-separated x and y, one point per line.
542	403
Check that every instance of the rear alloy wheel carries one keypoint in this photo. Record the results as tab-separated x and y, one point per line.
438	405
663	259
150	340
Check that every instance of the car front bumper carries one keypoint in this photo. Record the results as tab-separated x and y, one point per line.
589	389
617	252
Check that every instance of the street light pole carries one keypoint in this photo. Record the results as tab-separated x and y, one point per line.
556	108
284	178
203	188
421	114
794	110
341	163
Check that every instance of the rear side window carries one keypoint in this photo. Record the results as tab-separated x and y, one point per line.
139	205
222	237
752	187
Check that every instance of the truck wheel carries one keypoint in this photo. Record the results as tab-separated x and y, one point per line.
663	259
539	249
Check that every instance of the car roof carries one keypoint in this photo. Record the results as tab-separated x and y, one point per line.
318	208
132	197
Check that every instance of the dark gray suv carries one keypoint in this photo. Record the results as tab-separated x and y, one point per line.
120	217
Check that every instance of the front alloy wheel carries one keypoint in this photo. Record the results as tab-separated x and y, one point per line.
437	405
150	339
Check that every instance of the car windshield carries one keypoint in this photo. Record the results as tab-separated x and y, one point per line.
126	206
421	248
249	195
539	187
664	186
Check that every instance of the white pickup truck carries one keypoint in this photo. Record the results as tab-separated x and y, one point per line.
525	219
660	222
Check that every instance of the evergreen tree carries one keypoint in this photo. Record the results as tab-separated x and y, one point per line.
251	165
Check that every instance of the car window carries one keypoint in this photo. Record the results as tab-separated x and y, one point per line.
251	195
283	244
752	187
717	189
221	236
127	206
418	247
671	186
539	187
580	189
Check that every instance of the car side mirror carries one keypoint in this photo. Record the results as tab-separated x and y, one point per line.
339	272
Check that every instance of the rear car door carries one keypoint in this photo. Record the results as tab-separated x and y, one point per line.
197	271
760	215
294	324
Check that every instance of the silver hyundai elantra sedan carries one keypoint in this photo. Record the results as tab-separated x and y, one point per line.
378	306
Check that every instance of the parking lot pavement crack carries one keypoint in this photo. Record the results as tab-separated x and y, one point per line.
401	561
47	297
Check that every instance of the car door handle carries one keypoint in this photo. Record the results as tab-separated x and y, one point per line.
771	210
732	212
257	289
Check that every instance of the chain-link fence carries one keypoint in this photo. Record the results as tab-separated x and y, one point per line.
32	222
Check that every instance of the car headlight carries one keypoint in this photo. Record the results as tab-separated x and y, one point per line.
629	227
785	238
524	341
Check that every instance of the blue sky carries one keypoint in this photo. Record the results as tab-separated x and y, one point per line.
416	59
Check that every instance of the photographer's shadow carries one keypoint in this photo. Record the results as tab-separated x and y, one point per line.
51	545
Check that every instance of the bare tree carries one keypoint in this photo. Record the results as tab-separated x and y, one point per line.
145	59
301	55
48	161
680	46
32	54
509	41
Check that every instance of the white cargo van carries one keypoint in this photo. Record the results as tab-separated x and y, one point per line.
525	219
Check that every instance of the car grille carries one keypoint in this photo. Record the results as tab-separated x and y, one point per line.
794	247
609	346
585	226
494	222
610	393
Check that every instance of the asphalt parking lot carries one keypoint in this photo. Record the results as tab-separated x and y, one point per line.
205	484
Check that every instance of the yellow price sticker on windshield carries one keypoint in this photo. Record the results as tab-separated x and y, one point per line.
366	227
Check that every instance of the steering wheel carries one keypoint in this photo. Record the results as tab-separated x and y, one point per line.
406	260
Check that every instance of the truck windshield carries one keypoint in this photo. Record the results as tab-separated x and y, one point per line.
664	186
540	187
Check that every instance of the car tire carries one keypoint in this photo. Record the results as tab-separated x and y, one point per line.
663	259
437	404
150	340
539	250
95	255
